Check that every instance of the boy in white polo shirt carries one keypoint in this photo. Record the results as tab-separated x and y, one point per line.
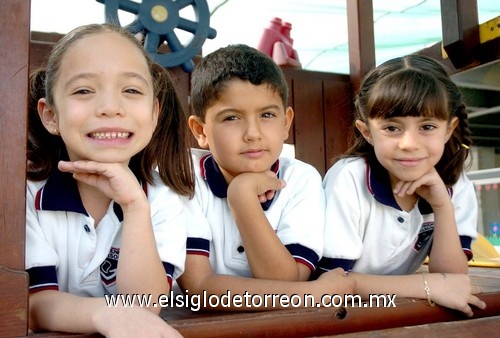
258	219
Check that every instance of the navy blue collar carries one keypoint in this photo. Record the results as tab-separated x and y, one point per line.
379	185
60	193
210	171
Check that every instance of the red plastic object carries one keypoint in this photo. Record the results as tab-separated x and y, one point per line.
278	44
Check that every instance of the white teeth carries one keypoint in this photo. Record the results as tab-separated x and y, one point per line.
110	135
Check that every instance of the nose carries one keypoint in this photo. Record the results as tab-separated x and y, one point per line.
409	140
253	131
110	105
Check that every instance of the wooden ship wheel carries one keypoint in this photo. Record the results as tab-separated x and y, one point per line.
157	20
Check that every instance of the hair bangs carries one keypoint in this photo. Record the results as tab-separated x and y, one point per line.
408	93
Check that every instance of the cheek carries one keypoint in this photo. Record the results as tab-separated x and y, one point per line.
438	149
220	135
383	149
382	143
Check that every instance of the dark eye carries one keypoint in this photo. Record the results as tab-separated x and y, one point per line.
428	127
391	128
230	118
132	91
268	115
81	92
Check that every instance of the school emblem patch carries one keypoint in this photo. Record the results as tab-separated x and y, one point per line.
109	267
424	235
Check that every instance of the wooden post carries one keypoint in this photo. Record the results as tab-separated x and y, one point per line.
14	68
460	25
361	39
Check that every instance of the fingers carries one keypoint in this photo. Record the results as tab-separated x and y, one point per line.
473	300
262	198
80	167
272	184
401	188
268	195
277	182
476	289
65	166
467	310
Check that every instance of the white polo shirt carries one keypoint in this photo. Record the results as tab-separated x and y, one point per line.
296	214
65	250
366	231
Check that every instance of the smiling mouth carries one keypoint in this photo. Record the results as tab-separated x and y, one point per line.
409	162
110	135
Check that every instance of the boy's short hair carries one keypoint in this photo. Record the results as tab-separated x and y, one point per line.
233	62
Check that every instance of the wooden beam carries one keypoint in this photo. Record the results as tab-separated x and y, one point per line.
361	39
459	20
14	68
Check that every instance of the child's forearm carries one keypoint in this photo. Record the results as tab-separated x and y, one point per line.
140	270
60	311
64	312
446	254
251	294
407	286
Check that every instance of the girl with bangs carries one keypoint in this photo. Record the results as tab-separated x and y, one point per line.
399	194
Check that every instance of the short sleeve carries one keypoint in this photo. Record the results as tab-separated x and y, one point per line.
343	228
301	205
199	234
466	210
40	257
169	220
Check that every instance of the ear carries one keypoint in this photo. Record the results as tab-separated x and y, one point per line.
48	117
289	114
364	130
451	127
198	129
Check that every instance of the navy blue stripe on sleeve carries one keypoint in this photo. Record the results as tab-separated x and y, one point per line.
169	269
198	246
43	278
466	246
303	255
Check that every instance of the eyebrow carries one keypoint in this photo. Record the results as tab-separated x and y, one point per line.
231	109
92	75
271	106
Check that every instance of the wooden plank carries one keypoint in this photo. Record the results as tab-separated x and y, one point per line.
13	302
309	322
14	53
481	327
361	37
309	122
338	118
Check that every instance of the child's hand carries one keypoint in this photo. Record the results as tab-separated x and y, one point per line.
430	187
115	180
454	291
134	322
263	185
336	281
